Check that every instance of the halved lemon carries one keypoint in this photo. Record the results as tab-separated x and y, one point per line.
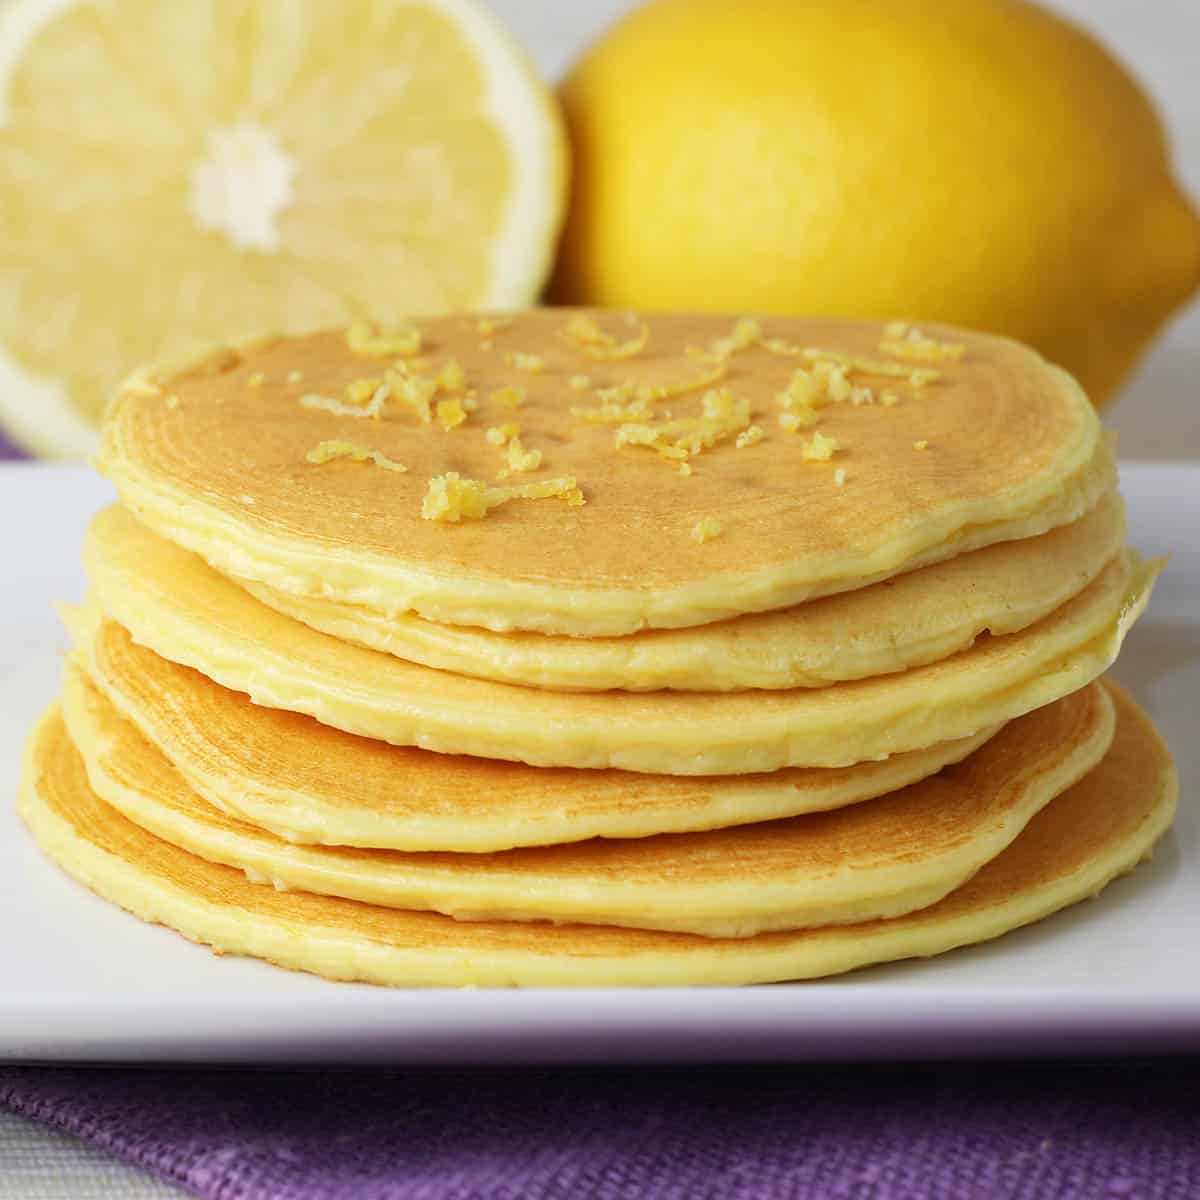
176	172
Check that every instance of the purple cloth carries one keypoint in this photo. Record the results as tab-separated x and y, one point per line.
8	450
1072	1132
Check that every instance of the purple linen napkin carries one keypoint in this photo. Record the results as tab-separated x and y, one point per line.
1070	1132
8	450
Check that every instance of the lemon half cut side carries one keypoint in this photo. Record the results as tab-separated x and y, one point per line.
175	174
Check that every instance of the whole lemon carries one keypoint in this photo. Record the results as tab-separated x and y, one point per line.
981	162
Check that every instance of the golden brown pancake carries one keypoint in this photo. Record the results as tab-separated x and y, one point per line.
907	621
171	601
308	782
1094	831
1000	445
890	856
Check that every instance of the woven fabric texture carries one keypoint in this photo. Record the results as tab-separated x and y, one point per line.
820	1133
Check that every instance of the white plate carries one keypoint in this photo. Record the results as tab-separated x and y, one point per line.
82	981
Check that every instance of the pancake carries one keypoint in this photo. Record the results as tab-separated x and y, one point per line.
175	604
1093	832
213	455
898	853
308	782
907	621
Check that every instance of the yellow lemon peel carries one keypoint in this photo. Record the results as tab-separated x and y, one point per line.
371	342
586	336
722	415
508	397
451	498
705	529
500	435
905	341
450	413
331	404
746	333
820	448
325	452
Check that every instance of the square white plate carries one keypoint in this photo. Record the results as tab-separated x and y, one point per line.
82	981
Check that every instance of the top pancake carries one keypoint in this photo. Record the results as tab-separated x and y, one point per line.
213	456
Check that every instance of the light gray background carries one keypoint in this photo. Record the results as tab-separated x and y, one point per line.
1158	417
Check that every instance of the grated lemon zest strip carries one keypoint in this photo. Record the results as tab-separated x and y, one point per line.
415	392
451	413
520	459
722	415
450	497
373	409
325	452
902	340
586	336
746	333
501	435
452	377
862	366
705	529
371	342
749	437
820	448
508	397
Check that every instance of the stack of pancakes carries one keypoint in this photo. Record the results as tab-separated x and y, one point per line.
571	648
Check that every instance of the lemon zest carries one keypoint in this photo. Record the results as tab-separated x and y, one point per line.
705	529
325	452
372	342
750	436
415	392
586	336
373	409
722	415
508	397
500	435
451	413
452	377
820	448
450	498
520	459
902	340
797	418
618	405
746	333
